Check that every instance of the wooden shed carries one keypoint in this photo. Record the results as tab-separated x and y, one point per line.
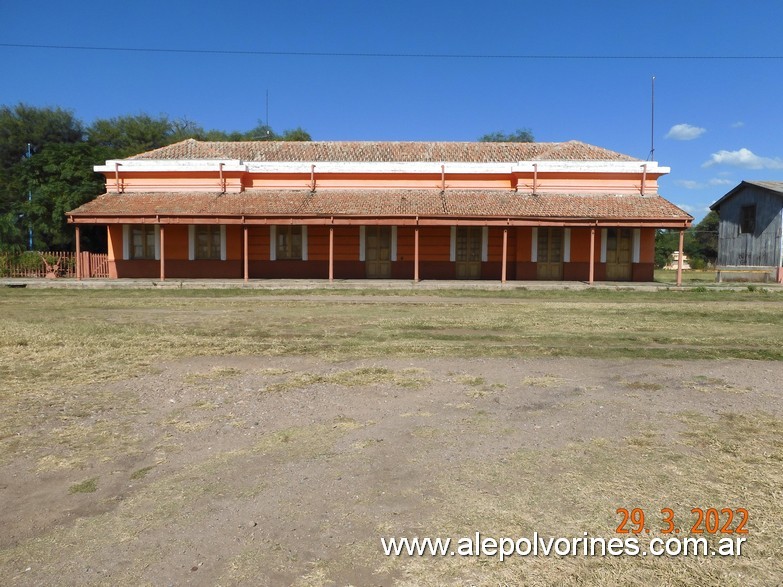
750	247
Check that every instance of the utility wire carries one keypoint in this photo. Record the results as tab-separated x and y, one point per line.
396	55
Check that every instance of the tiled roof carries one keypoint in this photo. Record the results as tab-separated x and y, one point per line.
423	203
354	151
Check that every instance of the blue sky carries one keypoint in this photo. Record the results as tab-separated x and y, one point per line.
717	121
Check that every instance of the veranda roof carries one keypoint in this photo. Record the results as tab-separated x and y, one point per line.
385	203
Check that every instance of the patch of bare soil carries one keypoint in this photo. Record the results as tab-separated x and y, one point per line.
271	471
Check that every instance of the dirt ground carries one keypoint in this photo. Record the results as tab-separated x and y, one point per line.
276	471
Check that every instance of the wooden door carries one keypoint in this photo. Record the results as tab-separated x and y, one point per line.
618	254
468	253
377	251
550	254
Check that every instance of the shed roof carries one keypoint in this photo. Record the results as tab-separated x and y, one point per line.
383	151
772	186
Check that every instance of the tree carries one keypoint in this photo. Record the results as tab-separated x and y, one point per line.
59	173
21	125
523	135
124	136
296	134
61	178
705	236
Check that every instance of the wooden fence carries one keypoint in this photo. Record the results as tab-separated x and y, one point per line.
53	264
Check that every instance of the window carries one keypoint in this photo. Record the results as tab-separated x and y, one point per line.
468	245
142	241
748	220
207	242
289	242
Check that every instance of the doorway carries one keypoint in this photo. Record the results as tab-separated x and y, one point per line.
550	254
378	252
618	254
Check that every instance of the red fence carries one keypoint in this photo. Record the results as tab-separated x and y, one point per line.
94	265
53	264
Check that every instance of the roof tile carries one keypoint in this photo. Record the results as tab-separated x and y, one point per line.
389	203
377	151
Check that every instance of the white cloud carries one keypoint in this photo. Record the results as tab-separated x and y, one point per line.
689	184
743	158
738	124
694	211
685	132
721	181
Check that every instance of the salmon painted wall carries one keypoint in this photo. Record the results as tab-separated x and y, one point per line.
580	245
495	245
555	182
647	245
258	243
175	242
434	254
114	238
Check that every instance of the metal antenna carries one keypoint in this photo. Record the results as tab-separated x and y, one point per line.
268	131
652	121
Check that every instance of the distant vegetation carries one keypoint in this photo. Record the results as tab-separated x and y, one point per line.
40	184
521	135
700	243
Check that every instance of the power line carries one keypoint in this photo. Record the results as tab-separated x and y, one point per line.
397	55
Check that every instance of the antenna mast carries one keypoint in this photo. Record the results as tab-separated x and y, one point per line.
652	120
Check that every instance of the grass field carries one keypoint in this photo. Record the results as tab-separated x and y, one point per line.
250	437
690	276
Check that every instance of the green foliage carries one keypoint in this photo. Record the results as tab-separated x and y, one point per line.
296	134
523	135
59	174
61	178
128	135
22	124
705	237
700	243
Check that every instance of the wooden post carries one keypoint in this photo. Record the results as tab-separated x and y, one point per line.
162	255
331	253
78	254
246	248
592	256
505	253
679	259
416	254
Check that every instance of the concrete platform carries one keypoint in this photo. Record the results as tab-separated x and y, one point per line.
357	284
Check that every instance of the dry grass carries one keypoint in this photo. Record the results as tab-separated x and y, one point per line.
59	412
360	377
732	462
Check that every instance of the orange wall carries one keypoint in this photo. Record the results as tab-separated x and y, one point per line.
647	245
580	245
434	243
115	241
258	242
346	243
524	242
235	243
175	241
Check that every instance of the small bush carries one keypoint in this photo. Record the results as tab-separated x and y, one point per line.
697	264
88	486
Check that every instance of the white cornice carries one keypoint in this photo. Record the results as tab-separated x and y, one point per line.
164	165
365	167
